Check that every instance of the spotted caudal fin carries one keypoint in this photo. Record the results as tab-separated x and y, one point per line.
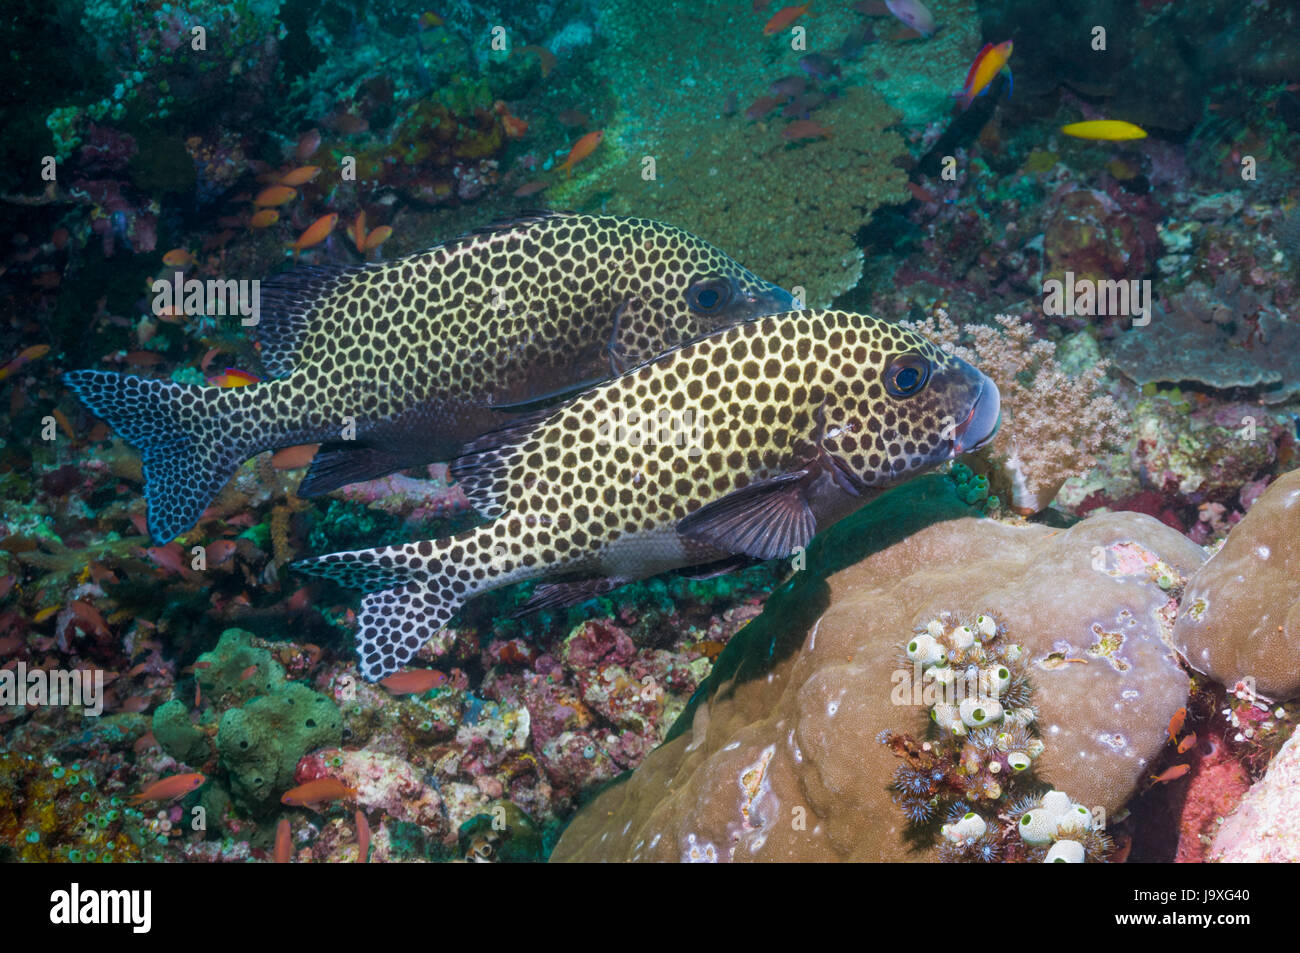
411	591
184	436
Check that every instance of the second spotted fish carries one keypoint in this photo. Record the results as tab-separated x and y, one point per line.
403	362
760	436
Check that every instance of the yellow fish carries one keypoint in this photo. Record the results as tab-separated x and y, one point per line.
1107	130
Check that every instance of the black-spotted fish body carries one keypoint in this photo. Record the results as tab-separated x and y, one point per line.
400	363
763	434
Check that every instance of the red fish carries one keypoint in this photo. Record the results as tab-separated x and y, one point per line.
317	792
1171	774
363	837
987	64
1186	744
581	149
248	673
761	107
233	377
283	844
784	17
308	143
805	129
532	188
415	681
220	551
544	56
1176	723
291	458
169	789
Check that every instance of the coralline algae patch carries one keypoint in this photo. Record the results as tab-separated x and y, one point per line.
53	811
830	791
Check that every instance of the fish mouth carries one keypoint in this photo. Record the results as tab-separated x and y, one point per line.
772	300
981	424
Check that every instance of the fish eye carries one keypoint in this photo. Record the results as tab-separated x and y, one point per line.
907	375
709	295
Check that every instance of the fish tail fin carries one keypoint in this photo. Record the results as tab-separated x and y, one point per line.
412	591
1010	81
183	434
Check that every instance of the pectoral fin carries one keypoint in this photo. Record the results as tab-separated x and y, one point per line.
766	520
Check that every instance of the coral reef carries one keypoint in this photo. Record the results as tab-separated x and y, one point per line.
1263	828
783	726
1240	615
1055	424
1229	336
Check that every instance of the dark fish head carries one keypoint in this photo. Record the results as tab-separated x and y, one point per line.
919	407
708	290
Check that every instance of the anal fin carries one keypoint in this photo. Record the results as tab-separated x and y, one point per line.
340	463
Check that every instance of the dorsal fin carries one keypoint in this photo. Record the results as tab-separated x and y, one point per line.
288	301
532	216
482	468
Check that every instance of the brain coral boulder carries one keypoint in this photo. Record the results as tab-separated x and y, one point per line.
781	755
1240	617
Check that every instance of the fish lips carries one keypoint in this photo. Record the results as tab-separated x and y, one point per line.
771	300
981	424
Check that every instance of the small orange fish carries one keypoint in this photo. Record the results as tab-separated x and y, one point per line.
544	56
46	613
169	789
274	195
581	149
143	358
532	188
170	557
429	20
300	176
248	673
317	792
378	237
1176	723
363	837
264	219
283	845
316	233
233	377
291	458
144	743
990	61
25	356
1171	774
414	681
358	231
784	17
178	258
1186	744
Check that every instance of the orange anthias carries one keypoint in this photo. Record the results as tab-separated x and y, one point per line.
581	149
317	792
274	195
784	17
316	233
169	789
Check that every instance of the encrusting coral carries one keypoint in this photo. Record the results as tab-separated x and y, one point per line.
1054	424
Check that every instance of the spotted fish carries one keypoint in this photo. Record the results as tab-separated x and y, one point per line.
761	434
399	363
